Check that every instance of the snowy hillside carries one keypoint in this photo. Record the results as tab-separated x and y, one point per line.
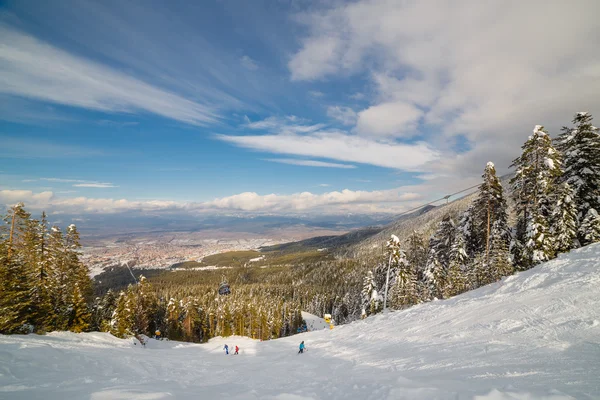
535	335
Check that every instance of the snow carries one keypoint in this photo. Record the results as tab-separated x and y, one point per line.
532	336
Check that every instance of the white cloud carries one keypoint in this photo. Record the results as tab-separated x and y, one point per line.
339	146
249	63
389	119
95	185
489	71
34	69
289	124
309	163
392	200
251	201
324	184
345	115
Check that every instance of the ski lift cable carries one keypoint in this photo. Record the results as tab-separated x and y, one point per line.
446	197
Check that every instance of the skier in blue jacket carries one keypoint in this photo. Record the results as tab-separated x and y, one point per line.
226	348
301	348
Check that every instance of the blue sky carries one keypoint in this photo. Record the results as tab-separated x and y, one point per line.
276	106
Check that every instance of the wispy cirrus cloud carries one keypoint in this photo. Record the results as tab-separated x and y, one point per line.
95	185
75	182
294	136
249	63
309	163
33	69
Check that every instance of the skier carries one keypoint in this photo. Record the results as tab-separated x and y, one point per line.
226	348
301	348
236	350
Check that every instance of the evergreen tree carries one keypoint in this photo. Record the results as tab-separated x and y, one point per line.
458	276
371	301
467	228
80	317
537	171
15	300
589	230
489	210
438	262
405	292
416	253
564	219
580	148
122	318
499	264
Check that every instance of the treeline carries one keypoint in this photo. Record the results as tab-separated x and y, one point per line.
43	284
556	192
264	303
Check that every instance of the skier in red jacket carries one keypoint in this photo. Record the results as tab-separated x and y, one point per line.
236	350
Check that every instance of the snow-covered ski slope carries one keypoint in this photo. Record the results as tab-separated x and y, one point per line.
535	335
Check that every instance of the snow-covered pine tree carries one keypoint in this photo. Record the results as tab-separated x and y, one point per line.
580	148
589	231
416	253
472	242
489	209
122	318
458	274
58	280
145	304
438	261
563	221
537	170
499	264
369	295
405	292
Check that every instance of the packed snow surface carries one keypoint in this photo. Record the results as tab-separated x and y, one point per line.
535	335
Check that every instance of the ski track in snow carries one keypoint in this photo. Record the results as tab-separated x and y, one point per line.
532	336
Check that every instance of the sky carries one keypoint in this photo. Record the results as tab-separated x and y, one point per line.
369	106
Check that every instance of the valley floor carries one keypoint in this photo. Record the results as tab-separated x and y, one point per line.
534	335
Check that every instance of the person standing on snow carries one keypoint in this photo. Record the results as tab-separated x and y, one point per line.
236	350
226	348
301	348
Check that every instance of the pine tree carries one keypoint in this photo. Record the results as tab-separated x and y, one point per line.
59	280
499	264
537	171
580	148
369	294
122	318
416	253
564	219
458	277
589	230
438	262
80	317
468	231
405	293
15	300
489	210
